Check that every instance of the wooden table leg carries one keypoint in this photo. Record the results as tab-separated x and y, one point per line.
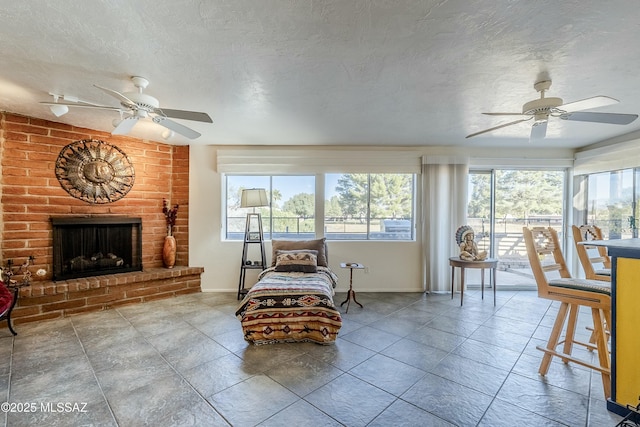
461	285
353	293
350	293
482	283
453	273
348	300
493	271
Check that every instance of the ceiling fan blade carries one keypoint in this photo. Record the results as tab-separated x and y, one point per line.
504	114
76	104
185	115
125	126
176	127
538	131
498	127
611	118
119	96
588	103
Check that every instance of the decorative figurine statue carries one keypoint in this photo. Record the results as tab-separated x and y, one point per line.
468	248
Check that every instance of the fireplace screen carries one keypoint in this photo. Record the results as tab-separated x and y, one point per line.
85	246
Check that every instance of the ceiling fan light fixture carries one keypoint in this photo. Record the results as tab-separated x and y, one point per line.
59	110
540	118
541	105
167	134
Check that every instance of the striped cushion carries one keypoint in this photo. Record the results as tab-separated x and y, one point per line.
603	272
305	261
597	286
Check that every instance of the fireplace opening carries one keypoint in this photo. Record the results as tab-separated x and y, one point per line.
93	246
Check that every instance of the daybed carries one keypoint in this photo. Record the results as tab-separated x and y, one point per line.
293	299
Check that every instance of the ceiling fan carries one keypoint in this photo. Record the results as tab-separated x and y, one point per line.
541	109
135	106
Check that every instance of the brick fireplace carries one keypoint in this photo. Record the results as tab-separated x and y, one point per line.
32	195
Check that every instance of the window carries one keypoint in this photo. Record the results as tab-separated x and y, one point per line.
357	206
291	210
369	206
611	203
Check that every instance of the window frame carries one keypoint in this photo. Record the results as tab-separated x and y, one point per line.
319	208
368	218
267	219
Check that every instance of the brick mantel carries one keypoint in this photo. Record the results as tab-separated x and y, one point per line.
53	300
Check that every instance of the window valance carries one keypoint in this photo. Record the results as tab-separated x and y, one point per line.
610	158
295	161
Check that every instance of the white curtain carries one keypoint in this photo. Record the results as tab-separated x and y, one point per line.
444	209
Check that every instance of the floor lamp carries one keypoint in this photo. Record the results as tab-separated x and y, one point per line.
254	198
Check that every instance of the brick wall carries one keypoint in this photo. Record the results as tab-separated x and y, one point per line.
31	193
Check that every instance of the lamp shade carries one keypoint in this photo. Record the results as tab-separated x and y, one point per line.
253	198
59	110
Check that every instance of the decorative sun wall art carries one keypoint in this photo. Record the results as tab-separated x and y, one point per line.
94	171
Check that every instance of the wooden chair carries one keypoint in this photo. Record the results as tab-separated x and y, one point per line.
542	243
602	269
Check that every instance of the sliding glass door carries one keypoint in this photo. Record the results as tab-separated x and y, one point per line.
501	202
479	209
611	203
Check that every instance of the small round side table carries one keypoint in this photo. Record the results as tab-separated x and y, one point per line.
490	263
351	266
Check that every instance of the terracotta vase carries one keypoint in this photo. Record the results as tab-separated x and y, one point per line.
169	252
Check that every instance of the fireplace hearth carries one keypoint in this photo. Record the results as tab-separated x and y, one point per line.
94	246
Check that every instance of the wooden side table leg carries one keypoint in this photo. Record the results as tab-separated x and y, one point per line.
350	293
494	285
348	300
461	285
453	273
353	293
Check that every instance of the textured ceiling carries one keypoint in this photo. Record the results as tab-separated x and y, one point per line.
327	72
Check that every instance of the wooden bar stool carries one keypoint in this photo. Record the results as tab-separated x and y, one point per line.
595	267
542	244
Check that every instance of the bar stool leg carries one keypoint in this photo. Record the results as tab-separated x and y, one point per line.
603	350
554	338
571	331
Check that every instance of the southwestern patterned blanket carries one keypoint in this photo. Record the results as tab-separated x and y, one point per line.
291	307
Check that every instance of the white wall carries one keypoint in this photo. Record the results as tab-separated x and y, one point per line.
391	266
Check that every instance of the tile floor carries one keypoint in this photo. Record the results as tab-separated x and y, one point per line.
406	359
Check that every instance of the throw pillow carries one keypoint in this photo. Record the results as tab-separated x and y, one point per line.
305	261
